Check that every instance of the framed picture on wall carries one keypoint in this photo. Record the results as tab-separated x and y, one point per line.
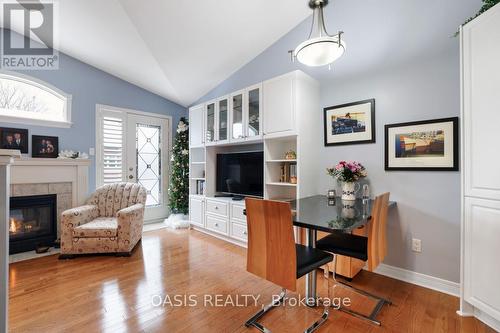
44	146
14	138
350	123
428	145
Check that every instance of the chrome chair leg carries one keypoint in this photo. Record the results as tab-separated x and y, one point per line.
378	307
324	315
253	321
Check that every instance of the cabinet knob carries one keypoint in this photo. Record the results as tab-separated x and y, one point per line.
216	224
244	232
216	207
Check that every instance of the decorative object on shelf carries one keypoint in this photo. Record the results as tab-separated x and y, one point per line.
200	187
73	155
428	145
293	173
14	139
179	183
44	146
290	155
350	123
348	173
487	4
320	48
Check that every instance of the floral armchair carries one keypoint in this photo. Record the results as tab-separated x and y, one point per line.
110	222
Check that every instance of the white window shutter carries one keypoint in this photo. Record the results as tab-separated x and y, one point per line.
110	147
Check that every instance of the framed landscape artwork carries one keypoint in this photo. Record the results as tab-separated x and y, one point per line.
350	123
44	146
430	145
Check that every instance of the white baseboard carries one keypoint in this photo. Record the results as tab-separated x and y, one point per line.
487	319
423	280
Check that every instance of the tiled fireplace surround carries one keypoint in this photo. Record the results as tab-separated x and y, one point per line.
67	178
62	190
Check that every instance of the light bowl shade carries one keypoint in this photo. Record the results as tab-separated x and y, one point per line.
319	51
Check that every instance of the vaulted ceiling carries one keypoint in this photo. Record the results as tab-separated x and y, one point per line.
177	49
183	49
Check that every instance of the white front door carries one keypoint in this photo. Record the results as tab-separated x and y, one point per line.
147	141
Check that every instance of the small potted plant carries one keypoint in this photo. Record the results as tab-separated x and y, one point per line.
348	173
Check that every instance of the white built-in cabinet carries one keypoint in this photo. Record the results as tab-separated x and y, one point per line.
197	126
279	103
246	114
217	121
270	115
480	271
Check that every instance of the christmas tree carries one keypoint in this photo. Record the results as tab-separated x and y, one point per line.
179	183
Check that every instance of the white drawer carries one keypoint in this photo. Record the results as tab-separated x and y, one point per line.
239	231
237	213
217	225
217	207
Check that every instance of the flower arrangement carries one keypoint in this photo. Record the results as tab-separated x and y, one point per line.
347	172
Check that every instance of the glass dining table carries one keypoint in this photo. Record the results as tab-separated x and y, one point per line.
329	215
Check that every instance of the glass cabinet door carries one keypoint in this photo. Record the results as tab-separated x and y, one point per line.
223	120
253	127
237	117
210	133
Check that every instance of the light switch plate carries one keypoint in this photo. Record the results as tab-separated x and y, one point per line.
91	151
416	245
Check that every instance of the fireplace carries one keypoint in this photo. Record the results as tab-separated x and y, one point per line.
32	222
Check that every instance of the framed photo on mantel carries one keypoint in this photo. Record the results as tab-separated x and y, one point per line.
428	145
350	123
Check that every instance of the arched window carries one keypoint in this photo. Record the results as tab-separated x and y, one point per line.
27	100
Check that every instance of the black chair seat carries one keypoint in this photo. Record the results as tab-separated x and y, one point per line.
345	244
309	259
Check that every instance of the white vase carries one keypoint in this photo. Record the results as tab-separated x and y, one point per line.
349	190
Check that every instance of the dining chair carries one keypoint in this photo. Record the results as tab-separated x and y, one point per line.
371	249
273	255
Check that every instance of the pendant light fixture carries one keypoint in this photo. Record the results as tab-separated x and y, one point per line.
320	48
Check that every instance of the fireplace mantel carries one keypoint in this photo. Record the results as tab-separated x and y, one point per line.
52	161
54	170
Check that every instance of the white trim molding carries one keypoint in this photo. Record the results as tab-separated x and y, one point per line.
423	280
42	85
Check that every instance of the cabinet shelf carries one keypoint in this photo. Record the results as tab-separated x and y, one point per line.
197	163
281	184
282	161
197	178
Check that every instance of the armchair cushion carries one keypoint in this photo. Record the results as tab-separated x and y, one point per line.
99	227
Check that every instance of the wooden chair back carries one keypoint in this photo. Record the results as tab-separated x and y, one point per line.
377	231
271	252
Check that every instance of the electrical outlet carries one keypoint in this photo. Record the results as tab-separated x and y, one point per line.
416	245
91	151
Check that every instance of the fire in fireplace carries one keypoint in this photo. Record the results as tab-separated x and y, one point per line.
32	222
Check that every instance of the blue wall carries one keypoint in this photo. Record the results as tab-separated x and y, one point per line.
90	86
401	53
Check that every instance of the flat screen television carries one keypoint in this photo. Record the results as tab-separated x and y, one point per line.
241	174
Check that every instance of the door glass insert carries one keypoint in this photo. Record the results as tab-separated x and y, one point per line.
210	122
223	119
237	124
149	161
253	112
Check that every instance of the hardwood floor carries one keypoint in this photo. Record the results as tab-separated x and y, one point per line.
110	294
